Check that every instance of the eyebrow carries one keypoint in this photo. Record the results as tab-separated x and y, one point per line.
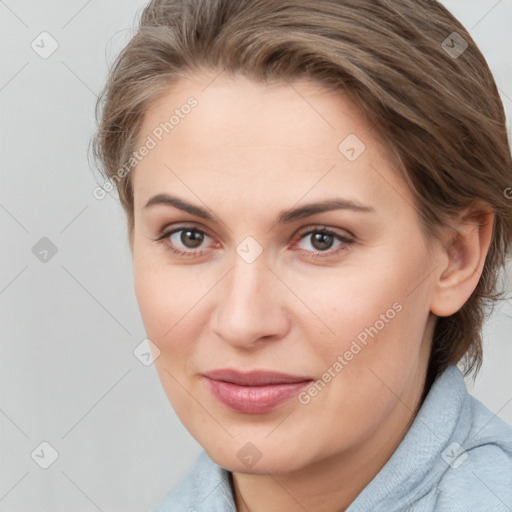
285	216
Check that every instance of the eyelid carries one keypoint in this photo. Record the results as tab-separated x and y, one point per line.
343	233
172	228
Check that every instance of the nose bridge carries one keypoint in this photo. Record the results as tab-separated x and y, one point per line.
248	306
246	283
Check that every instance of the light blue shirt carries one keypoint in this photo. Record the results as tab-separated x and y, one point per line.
456	457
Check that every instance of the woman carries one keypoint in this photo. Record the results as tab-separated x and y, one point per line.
317	207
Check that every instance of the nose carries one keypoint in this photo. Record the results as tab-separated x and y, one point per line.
250	307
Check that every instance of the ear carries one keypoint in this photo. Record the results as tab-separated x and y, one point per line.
464	247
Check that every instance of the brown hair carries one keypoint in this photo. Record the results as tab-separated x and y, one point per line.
433	100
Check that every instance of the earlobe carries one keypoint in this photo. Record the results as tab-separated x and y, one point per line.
464	253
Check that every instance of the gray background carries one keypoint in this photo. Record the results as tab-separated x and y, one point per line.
69	325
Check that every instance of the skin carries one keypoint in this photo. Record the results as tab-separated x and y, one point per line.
245	153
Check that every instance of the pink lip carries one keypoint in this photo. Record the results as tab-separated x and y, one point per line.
253	392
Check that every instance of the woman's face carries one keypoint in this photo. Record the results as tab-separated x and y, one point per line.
338	299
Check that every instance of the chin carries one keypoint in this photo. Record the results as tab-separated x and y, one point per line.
253	458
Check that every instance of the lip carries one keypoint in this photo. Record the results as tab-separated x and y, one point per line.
253	392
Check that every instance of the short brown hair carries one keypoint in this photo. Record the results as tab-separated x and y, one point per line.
404	62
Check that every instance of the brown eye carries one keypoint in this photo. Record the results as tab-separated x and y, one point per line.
191	238
322	240
184	240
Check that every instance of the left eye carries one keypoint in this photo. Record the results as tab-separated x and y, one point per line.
323	240
191	238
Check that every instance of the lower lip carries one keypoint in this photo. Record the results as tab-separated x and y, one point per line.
254	399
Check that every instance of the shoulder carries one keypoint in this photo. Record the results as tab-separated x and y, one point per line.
478	474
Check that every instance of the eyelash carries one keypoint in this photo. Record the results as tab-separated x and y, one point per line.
346	241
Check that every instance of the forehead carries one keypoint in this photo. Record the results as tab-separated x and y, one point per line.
302	115
244	136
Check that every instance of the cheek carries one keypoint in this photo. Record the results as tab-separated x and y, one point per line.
169	300
346	306
154	297
166	305
376	319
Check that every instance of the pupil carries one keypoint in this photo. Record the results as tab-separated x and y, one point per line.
195	236
323	239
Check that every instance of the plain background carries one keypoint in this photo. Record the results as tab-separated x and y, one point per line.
70	324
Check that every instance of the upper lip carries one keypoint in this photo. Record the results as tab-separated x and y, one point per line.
254	377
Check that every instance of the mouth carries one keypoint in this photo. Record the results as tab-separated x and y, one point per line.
254	392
